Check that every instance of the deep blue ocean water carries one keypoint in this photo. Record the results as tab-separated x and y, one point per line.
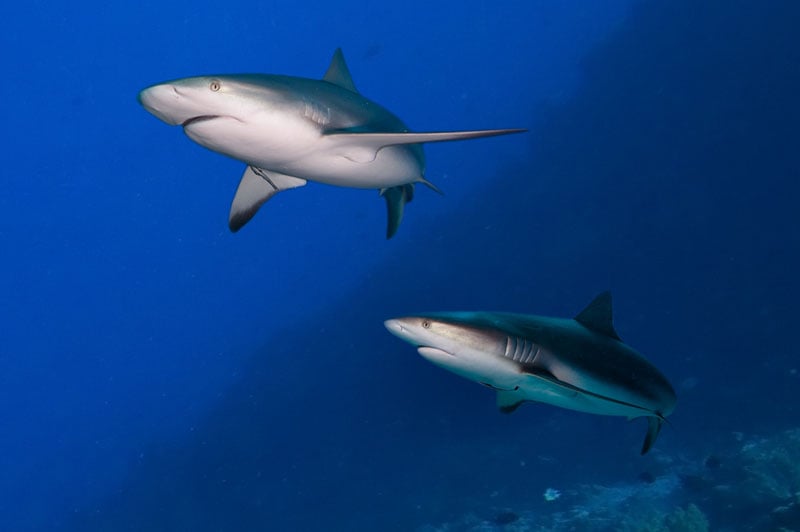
160	373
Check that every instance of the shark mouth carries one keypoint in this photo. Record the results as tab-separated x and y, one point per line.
201	118
433	352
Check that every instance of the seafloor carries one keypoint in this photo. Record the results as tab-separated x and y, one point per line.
752	484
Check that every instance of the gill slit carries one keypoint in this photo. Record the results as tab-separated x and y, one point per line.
521	350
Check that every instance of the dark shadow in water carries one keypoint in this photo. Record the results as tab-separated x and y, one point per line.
670	177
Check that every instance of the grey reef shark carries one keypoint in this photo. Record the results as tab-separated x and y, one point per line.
290	130
579	363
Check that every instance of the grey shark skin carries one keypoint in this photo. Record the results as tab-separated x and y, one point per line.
290	130
579	363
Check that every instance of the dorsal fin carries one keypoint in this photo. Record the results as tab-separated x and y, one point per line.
597	316
338	73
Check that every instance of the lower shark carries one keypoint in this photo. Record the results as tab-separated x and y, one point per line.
579	363
290	130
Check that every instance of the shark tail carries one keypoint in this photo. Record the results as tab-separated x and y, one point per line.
654	424
396	199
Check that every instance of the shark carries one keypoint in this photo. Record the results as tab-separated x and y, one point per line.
290	130
579	364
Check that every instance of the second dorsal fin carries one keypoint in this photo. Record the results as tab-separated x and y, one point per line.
597	316
338	73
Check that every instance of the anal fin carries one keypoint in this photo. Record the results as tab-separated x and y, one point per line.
255	188
396	199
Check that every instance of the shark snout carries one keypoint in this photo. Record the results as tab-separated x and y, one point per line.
410	329
165	103
396	327
414	331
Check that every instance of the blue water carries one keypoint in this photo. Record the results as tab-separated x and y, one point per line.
160	373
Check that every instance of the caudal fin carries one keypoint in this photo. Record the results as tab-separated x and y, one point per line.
396	199
653	428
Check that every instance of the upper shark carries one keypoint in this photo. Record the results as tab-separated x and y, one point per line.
579	363
290	130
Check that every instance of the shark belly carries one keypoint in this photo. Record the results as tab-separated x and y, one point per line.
303	152
494	372
256	145
581	402
390	167
544	388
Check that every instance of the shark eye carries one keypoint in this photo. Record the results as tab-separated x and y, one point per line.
214	85
426	324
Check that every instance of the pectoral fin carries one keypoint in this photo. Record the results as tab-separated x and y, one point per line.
509	400
364	147
255	188
396	199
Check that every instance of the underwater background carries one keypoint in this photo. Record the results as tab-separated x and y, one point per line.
160	373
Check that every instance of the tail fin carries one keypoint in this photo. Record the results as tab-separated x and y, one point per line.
396	199
653	428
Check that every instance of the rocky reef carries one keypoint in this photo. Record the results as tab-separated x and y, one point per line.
752	484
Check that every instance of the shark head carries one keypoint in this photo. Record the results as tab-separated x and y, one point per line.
225	113
187	100
468	350
244	98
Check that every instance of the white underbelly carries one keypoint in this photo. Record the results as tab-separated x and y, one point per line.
392	166
545	392
300	151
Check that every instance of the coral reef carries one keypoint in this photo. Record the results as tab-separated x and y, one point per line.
753	484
